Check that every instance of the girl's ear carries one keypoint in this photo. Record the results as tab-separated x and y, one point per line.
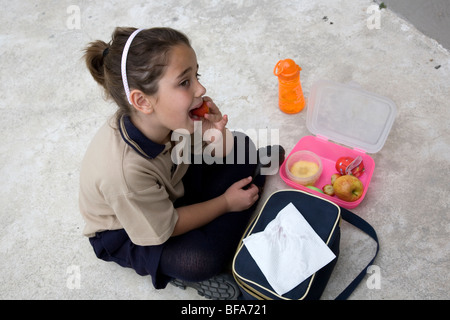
141	102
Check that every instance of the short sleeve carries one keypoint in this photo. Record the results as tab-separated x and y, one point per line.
148	216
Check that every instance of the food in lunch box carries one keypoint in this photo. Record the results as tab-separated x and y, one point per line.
348	188
315	189
348	165
328	189
304	169
334	177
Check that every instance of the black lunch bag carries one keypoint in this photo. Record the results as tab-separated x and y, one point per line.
324	217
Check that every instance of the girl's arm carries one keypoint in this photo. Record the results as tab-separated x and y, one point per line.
236	198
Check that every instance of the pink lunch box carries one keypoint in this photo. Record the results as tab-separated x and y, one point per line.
356	121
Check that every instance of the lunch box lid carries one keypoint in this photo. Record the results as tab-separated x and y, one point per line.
349	115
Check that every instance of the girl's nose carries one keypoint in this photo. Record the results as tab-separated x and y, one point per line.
200	90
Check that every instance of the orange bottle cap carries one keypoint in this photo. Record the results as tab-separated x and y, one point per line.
286	68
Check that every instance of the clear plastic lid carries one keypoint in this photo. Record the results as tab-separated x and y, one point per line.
349	115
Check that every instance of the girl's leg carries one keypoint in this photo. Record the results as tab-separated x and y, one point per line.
206	181
205	252
198	254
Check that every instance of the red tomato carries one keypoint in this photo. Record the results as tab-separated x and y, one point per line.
357	168
200	112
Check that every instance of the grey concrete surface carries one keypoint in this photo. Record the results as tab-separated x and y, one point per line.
51	108
432	17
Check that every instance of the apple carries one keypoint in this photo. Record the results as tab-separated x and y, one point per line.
334	177
328	189
201	111
348	188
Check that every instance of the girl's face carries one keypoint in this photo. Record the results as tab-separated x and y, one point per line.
179	91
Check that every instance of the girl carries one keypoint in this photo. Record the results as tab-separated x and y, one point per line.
142	210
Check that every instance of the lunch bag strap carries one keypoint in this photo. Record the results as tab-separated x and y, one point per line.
364	226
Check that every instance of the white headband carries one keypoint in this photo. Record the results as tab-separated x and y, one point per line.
124	63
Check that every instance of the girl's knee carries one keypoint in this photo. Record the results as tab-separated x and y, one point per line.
244	150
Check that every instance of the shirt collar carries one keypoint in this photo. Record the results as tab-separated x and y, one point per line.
137	140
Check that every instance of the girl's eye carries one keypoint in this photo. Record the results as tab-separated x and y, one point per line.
186	83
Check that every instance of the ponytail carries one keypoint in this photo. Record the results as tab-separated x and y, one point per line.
94	57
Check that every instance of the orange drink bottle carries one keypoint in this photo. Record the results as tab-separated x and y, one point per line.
290	93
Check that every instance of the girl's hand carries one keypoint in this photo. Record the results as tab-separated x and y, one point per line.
238	198
213	119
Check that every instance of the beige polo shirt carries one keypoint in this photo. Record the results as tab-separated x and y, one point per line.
127	181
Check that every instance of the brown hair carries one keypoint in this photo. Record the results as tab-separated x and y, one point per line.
146	62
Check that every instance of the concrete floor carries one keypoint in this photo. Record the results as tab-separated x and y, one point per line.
51	109
430	17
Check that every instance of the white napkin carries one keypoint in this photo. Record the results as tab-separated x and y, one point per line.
288	251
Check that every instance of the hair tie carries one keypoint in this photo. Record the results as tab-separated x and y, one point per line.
105	52
124	63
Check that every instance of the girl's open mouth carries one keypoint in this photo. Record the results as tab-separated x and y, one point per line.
198	113
193	116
